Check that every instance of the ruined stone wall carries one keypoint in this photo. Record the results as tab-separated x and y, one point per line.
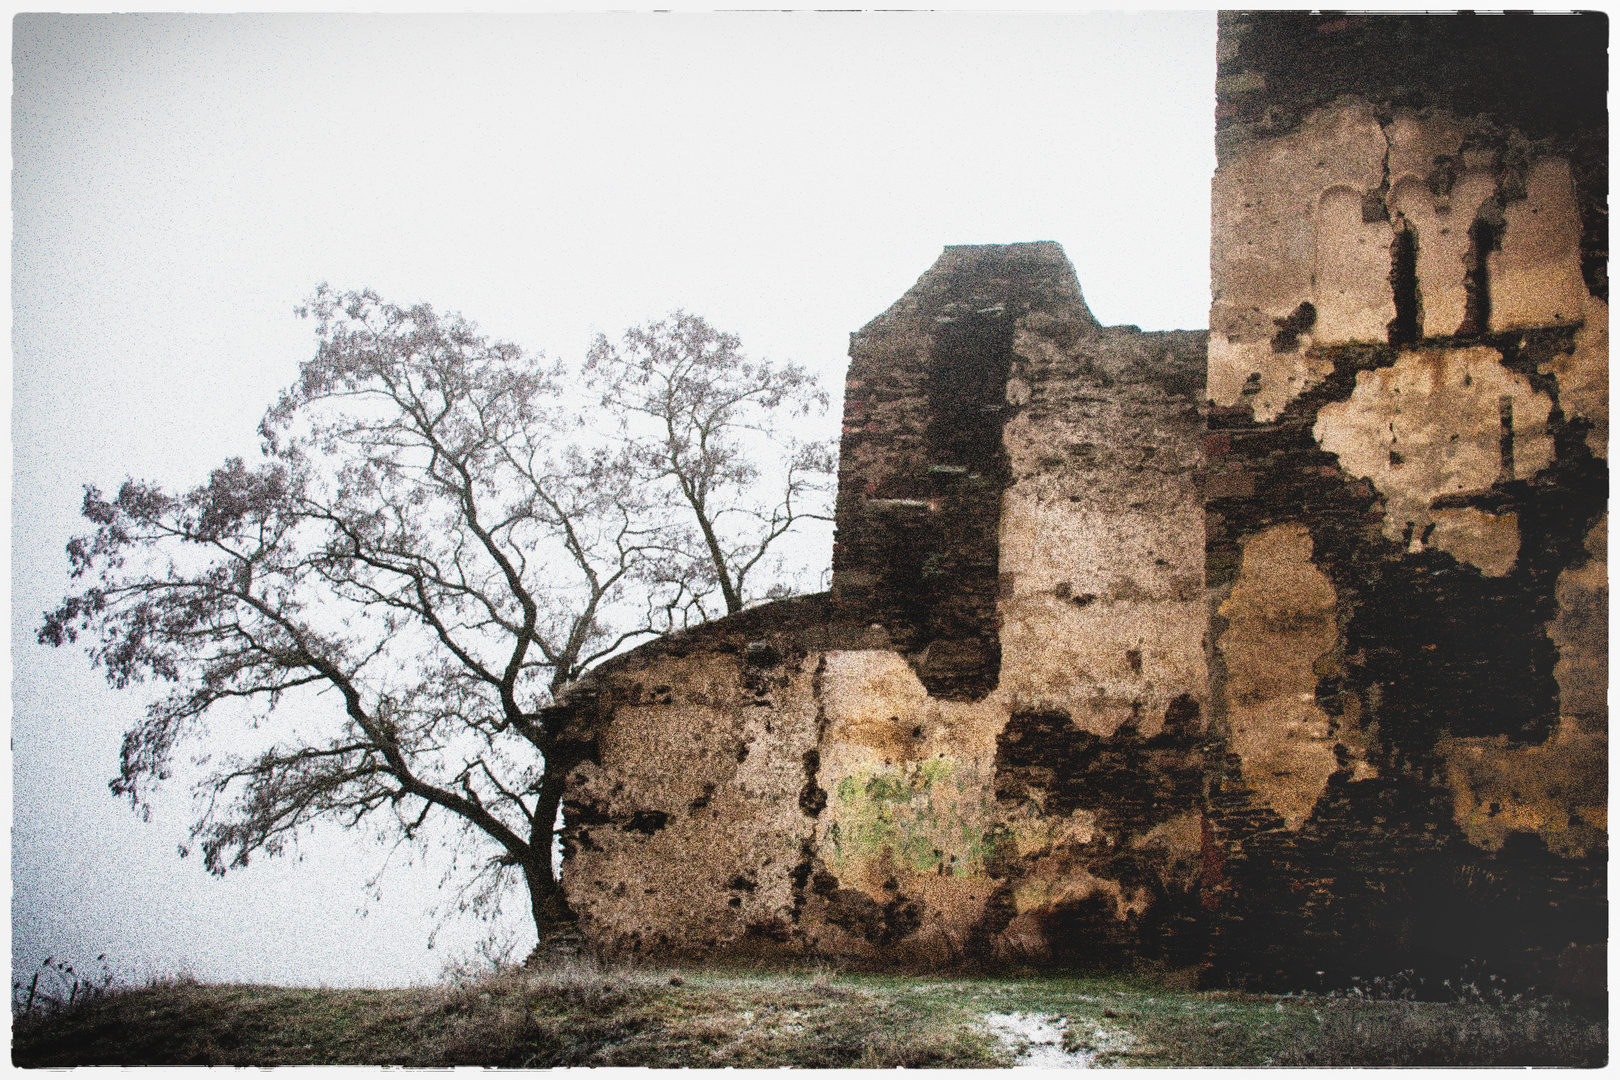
1407	495
988	740
1280	650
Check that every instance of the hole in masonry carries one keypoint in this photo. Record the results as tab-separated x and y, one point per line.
1484	237
1286	339
1407	326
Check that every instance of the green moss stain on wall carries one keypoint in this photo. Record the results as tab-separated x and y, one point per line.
920	817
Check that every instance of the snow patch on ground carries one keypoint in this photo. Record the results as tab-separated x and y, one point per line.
1035	1042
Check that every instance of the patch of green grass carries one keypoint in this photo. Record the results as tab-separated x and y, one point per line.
577	1015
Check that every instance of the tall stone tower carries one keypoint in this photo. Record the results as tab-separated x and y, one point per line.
1408	374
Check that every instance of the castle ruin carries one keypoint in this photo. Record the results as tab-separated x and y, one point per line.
1273	650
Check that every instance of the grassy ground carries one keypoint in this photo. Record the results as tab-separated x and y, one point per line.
576	1015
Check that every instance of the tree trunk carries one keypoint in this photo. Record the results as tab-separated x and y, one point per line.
546	897
550	906
728	590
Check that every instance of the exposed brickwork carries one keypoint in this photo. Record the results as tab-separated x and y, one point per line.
1146	798
922	465
1443	490
1019	536
1279	651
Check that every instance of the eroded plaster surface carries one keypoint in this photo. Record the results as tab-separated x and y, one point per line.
1442	224
1281	621
1409	425
1350	275
1557	791
1442	422
690	764
1289	231
1536	276
924	800
1305	254
1101	552
1583	375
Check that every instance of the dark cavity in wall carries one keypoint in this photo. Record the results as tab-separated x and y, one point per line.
1407	326
968	367
1443	648
1484	237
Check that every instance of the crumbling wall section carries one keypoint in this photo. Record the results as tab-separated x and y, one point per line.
1406	495
1307	686
988	741
922	462
684	831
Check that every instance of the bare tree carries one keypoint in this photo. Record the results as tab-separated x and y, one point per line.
426	542
700	420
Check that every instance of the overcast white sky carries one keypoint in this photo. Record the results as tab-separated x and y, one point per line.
180	183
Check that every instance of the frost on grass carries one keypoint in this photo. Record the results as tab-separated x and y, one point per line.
1039	1042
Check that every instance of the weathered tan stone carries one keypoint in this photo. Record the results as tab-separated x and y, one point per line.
1318	178
1583	375
1061	884
1488	541
869	699
1273	240
1263	251
1105	663
1351	273
671	779
860	812
1182	835
1281	620
1581	632
1443	243
1536	276
1558	790
1420	141
1432	425
1269	379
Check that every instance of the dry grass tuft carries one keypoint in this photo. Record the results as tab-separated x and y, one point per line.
1416	1033
574	1013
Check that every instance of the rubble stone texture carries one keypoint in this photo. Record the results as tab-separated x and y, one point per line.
1434	444
1279	651
987	740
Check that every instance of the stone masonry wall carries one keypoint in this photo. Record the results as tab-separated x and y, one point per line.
1407	493
1279	651
988	740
